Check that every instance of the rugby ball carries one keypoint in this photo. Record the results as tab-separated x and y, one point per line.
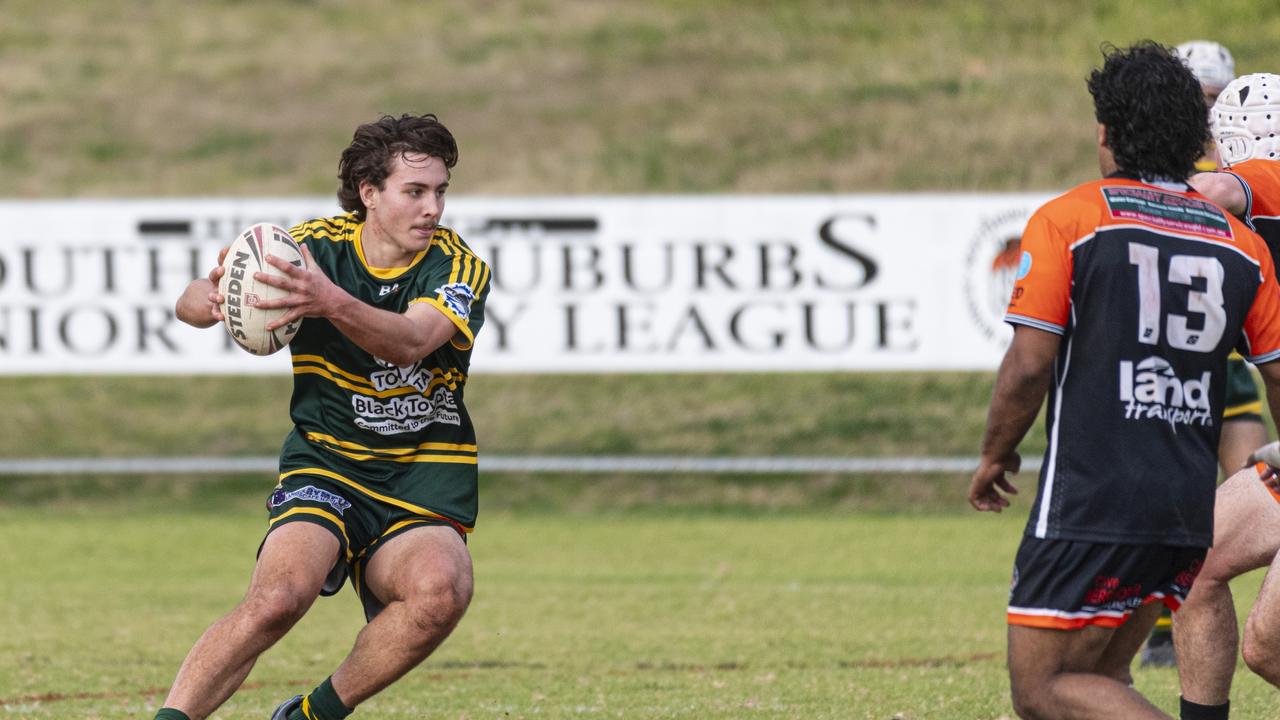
245	322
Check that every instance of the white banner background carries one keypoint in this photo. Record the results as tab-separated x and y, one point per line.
580	284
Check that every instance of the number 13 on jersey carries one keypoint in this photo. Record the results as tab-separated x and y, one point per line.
1207	303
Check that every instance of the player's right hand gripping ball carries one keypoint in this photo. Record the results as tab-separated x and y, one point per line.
245	322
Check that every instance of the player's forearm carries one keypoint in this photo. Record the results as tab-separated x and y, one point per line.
1271	380
386	335
1222	188
1015	403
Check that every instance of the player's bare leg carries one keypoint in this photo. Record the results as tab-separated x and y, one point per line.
1262	629
1246	536
1055	674
1117	658
424	579
290	571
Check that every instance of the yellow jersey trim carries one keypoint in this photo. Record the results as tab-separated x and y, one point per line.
1254	407
329	439
463	328
375	495
317	511
393	272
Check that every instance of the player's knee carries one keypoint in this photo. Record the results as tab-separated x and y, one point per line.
1261	651
437	604
276	609
1028	700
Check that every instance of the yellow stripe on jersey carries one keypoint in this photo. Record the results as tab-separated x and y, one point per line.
342	528
449	378
484	278
362	389
448	447
417	509
1254	407
444	459
297	359
331	229
458	322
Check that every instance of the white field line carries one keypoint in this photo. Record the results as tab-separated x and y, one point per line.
525	464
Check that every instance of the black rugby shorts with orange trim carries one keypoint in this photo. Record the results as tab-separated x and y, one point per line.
1069	585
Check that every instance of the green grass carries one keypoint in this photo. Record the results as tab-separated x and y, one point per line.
637	616
141	98
841	414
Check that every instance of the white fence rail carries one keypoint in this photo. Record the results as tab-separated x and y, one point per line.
568	464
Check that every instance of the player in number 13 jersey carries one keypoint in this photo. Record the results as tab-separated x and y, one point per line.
1130	294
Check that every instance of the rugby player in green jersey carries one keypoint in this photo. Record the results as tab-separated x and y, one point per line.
378	476
1242	428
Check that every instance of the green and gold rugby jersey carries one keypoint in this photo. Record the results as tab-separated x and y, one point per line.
351	403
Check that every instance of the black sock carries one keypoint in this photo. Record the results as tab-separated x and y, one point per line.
171	714
1196	711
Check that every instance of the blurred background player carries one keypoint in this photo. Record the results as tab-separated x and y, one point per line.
1243	430
1136	288
1246	535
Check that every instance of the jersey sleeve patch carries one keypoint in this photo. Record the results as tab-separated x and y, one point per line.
1042	286
1168	210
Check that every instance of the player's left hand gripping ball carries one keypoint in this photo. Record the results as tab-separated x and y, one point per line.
244	320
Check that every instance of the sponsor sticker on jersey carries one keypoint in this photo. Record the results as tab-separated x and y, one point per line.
1150	390
1024	265
458	298
311	493
1168	210
406	413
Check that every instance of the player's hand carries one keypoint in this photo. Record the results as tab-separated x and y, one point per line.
990	479
216	298
311	292
1268	456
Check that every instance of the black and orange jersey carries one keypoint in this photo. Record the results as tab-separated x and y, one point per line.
1261	182
1151	287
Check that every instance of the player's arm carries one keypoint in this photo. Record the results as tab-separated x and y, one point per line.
200	301
1224	189
1270	453
398	338
1020	388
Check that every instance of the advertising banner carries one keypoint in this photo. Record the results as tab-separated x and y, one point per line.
579	284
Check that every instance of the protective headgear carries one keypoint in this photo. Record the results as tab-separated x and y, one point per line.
1210	62
1245	121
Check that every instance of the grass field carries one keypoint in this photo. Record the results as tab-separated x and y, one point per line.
141	98
597	596
633	615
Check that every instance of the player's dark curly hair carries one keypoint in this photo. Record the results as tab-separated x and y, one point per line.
375	146
1153	109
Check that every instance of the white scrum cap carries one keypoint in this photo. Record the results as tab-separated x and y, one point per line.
1246	119
1209	61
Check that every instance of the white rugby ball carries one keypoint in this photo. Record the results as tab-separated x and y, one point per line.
245	322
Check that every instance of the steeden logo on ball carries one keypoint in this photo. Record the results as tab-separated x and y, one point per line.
244	320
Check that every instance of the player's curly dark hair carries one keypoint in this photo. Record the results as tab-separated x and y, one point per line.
1153	109
375	145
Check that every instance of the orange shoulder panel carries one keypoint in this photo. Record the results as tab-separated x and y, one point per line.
1263	179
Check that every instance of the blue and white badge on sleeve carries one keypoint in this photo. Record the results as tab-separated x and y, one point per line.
1024	265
